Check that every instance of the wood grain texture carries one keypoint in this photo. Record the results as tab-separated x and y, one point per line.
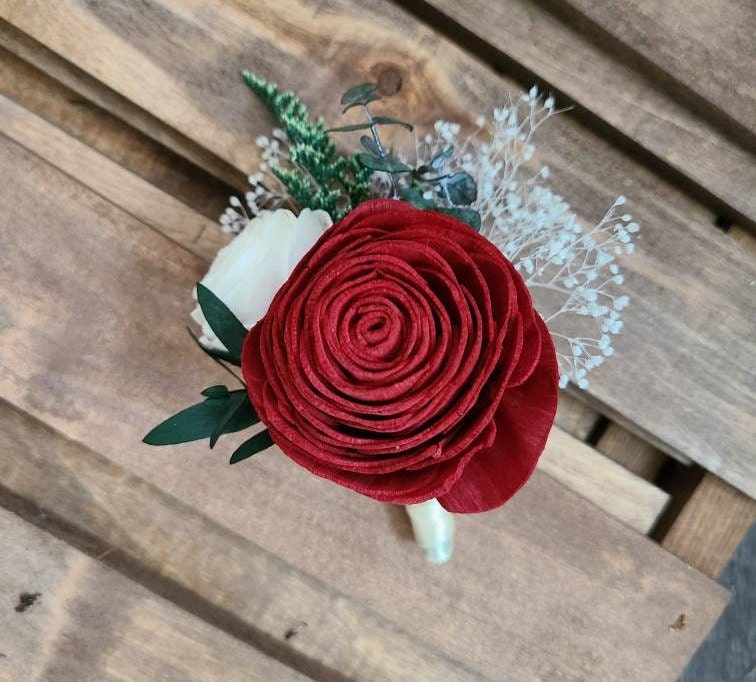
111	181
575	417
690	390
101	130
608	485
548	567
94	92
90	624
211	571
705	45
633	453
583	64
619	493
711	525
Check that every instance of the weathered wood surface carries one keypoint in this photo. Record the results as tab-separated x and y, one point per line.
711	525
608	485
705	45
633	453
76	115
690	390
111	181
92	344
582	61
86	623
204	567
575	417
581	468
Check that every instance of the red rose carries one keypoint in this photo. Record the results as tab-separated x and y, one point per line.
403	359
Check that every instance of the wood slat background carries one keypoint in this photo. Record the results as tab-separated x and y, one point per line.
171	80
122	133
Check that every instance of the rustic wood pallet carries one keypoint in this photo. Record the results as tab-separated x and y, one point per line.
169	80
630	498
132	373
133	158
65	616
576	48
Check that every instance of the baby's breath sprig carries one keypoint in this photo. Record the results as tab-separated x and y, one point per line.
572	270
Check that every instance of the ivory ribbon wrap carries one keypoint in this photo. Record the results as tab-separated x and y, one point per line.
434	530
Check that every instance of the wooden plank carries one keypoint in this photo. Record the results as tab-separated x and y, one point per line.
689	391
728	653
93	92
575	417
583	63
547	567
221	577
608	485
111	181
633	453
99	129
631	500
82	621
707	46
711	525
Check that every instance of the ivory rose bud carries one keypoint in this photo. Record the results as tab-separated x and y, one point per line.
247	273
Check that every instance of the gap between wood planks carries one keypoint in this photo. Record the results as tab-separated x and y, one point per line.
731	197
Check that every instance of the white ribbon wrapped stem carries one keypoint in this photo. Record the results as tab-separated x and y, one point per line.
434	530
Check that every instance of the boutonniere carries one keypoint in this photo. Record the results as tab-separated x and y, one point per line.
379	305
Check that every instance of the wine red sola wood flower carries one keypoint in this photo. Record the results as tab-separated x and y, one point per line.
403	359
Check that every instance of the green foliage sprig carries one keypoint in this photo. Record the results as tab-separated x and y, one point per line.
319	177
428	186
222	411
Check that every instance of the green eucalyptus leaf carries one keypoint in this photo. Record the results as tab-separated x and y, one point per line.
222	321
388	120
460	188
415	197
438	161
349	128
233	405
466	215
214	353
258	442
199	421
387	164
217	391
359	95
370	144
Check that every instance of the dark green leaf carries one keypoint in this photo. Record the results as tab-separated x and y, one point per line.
460	188
370	144
438	161
222	321
199	421
415	197
217	391
215	353
388	120
387	164
349	128
466	215
233	405
359	95
260	441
